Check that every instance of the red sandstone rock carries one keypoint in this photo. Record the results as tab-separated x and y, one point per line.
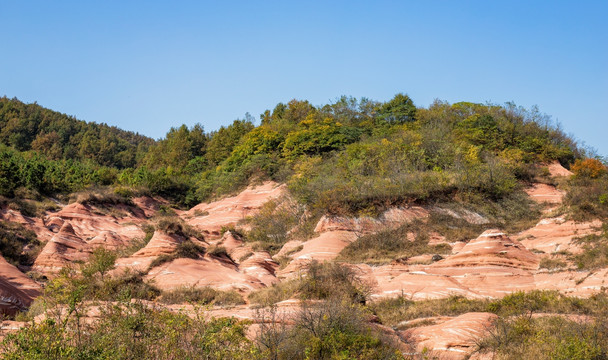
63	249
493	247
211	217
452	339
17	291
556	234
200	273
543	193
389	219
556	169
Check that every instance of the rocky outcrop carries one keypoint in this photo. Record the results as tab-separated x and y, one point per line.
556	234
543	193
557	170
452	339
207	271
17	291
492	248
210	218
391	218
63	249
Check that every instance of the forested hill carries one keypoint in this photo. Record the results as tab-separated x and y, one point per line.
59	136
349	156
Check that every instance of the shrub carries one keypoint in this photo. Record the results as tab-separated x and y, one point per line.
589	168
101	197
280	291
551	337
185	249
176	226
218	251
587	198
595	251
18	245
131	330
273	225
327	280
552	264
387	245
327	330
204	296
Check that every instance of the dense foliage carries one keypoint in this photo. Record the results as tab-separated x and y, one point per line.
350	156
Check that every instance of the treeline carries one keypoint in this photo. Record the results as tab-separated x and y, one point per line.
348	156
61	137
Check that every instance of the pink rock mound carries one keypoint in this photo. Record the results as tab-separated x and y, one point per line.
492	247
200	273
325	247
148	205
160	244
412	282
556	234
389	219
543	193
556	169
452	339
211	217
258	264
17	291
64	248
87	223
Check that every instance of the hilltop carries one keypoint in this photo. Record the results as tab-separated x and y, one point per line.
356	229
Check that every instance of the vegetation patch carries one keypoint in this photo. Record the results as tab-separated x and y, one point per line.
18	245
595	251
185	249
385	246
394	311
319	281
203	296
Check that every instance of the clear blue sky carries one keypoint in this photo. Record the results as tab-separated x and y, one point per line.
149	65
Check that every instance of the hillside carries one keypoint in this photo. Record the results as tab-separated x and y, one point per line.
356	229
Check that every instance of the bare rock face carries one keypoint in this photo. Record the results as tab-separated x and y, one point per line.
492	265
35	224
412	282
160	244
557	170
543	193
492	248
389	219
324	247
17	291
258	264
556	234
64	248
87	224
208	271
211	217
148	205
453	339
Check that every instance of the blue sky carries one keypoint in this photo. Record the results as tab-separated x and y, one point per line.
149	65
